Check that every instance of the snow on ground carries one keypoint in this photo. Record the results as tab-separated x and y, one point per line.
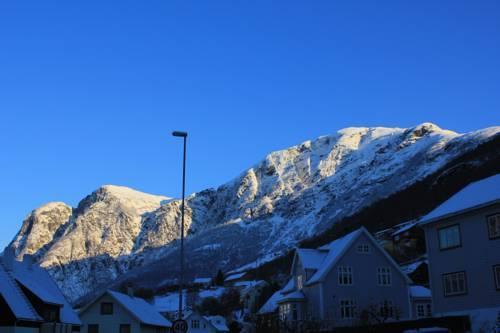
212	292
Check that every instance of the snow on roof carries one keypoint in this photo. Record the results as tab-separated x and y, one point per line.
475	194
410	268
218	322
405	227
203	280
234	277
310	258
272	303
294	296
15	299
140	309
40	283
216	292
289	286
335	250
169	302
420	292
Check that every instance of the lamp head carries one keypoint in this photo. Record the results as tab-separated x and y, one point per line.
180	134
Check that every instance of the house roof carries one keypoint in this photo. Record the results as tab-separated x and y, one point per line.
233	277
289	286
140	309
335	250
310	258
16	300
272	303
203	280
338	247
39	282
297	295
404	227
218	322
474	195
412	267
420	292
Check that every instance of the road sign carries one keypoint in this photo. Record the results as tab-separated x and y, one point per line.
180	326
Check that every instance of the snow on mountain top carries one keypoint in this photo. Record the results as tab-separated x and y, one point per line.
50	206
474	194
128	193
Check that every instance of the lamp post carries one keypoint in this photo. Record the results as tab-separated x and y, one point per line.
181	278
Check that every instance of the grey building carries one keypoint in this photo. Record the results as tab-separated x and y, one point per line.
463	245
350	281
114	312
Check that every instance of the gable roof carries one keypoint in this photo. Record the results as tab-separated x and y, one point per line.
218	322
338	248
420	292
40	283
14	297
310	258
475	195
140	309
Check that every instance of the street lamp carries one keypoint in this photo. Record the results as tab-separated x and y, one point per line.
181	280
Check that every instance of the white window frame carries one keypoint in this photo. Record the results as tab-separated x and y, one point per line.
384	276
493	222
300	282
446	237
195	323
453	280
363	248
496	275
347	309
345	276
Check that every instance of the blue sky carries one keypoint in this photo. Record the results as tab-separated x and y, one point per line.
90	90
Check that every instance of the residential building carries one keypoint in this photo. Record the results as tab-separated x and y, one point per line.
114	312
463	246
250	292
30	301
421	302
198	323
344	283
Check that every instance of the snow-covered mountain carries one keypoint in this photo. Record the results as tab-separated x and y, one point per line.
291	195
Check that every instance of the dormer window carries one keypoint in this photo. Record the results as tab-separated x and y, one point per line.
300	282
363	248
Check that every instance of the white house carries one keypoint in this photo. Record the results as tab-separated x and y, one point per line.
114	312
198	323
30	301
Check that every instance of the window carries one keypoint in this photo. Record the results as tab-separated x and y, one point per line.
125	328
345	275
454	284
347	309
384	276
93	328
420	310
295	315
387	309
363	248
284	311
424	310
449	237
195	324
300	282
494	226
106	308
496	274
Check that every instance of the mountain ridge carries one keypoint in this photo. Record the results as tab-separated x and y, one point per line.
292	194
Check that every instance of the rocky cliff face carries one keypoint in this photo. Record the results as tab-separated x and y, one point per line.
293	194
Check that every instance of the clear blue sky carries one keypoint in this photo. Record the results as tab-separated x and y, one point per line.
90	90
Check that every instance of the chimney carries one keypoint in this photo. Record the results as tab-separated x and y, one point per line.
8	258
28	261
130	291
